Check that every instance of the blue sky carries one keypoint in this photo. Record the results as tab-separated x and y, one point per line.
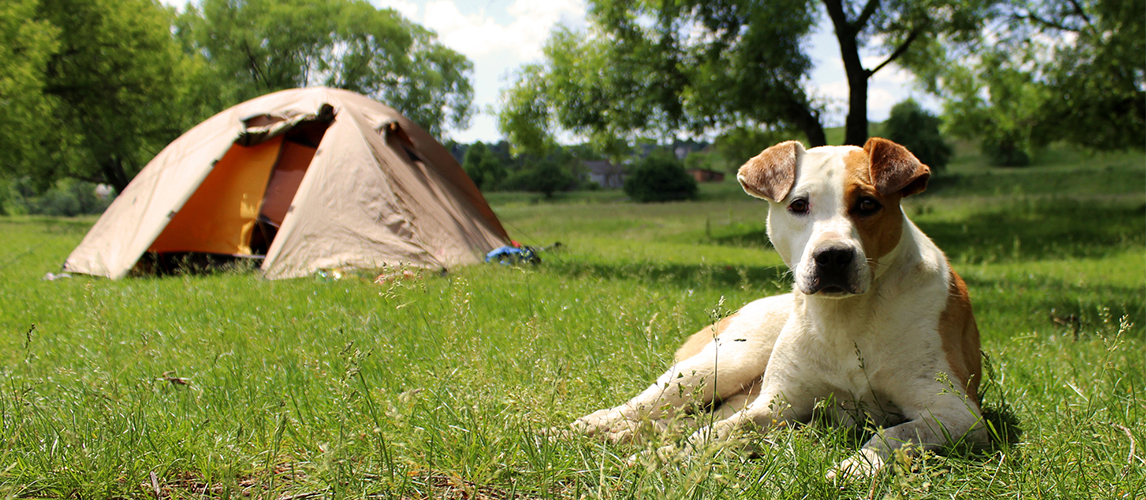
501	35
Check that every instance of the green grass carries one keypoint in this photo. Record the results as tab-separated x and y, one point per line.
226	385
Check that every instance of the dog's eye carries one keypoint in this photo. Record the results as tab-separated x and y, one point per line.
867	206
798	206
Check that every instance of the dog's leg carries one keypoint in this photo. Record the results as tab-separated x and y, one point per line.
725	367
949	418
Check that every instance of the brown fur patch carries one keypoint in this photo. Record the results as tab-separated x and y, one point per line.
894	169
771	173
960	336
880	232
697	341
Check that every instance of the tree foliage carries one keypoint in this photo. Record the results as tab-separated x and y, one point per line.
260	46
93	89
1048	71
484	167
660	69
918	130
95	85
660	177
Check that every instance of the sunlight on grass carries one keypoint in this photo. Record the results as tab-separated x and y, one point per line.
229	385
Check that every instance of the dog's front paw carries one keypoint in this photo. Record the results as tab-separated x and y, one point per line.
609	424
663	455
862	465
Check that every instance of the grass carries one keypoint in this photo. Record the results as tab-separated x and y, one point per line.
226	385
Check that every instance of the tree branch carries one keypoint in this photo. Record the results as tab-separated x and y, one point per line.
1078	10
898	50
838	16
865	15
1045	23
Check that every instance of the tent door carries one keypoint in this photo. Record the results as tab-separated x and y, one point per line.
297	152
220	215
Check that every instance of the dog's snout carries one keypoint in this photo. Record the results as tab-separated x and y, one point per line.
834	258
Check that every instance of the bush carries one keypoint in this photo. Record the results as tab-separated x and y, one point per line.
484	167
1005	152
660	177
918	131
69	197
545	176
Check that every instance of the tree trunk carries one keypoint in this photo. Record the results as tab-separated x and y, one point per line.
808	123
114	174
855	132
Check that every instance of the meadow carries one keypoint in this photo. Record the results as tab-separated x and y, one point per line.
440	385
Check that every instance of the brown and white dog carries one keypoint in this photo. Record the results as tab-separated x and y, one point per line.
878	329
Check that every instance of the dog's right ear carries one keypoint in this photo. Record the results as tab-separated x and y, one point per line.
771	173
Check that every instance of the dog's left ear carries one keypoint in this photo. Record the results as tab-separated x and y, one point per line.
894	169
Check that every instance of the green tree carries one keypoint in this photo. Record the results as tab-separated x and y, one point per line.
484	167
650	68
1070	71
259	46
98	83
660	177
26	46
918	131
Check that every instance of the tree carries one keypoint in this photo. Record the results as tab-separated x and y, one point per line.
483	167
917	130
26	45
697	67
260	46
660	177
97	88
1047	71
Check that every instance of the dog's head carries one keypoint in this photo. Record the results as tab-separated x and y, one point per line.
834	211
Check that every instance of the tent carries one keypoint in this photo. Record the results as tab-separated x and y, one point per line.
304	179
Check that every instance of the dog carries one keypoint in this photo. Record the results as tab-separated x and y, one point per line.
878	329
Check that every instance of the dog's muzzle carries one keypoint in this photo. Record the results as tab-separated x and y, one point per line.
834	272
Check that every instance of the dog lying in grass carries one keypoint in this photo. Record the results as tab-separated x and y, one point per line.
878	329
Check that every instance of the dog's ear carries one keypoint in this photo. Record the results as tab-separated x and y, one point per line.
894	169
770	174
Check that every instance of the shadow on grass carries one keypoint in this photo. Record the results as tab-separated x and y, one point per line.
1027	230
1039	230
773	279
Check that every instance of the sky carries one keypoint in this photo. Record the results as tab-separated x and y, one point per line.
501	35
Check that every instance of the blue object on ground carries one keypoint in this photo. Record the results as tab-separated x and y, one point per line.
508	255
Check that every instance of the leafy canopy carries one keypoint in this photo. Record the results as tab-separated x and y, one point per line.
700	68
90	89
259	46
1047	71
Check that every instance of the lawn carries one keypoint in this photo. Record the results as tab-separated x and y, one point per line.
439	386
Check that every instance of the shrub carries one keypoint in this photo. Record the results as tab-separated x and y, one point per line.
484	167
660	177
918	131
69	197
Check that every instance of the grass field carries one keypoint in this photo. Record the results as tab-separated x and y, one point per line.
227	385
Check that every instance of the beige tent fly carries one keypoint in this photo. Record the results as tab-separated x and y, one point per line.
307	179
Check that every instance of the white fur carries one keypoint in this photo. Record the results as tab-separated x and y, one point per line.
876	355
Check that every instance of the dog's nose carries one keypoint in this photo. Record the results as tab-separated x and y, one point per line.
834	258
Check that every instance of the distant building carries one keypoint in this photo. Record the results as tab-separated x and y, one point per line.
607	175
704	175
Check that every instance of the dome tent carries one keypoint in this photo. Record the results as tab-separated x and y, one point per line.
307	179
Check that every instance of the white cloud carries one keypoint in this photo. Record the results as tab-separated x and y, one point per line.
479	34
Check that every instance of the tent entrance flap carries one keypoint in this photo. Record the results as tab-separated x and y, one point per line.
298	150
220	215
